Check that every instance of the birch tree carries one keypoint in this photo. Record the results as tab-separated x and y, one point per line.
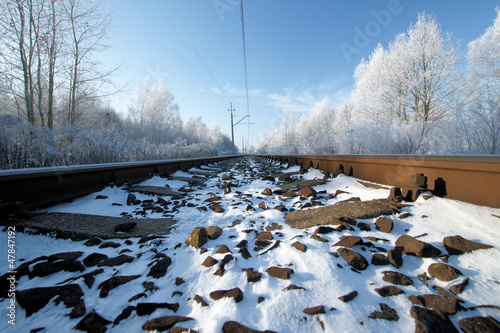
482	117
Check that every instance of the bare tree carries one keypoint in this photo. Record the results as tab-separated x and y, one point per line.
87	32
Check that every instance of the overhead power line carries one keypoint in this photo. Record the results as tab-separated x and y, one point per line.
245	66
178	54
179	27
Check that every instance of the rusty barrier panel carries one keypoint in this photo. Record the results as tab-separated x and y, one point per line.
474	179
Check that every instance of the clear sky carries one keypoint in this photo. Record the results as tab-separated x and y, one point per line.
298	52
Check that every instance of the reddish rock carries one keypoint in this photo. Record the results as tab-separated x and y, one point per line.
241	244
430	321
289	194
349	241
293	287
386	313
143	309
353	258
384	224
319	238
163	323
245	253
267	191
397	278
415	247
435	302
216	207
315	310
299	246
364	226
389	291
479	325
378	259
200	300
220	271
251	275
323	230
263	205
458	245
395	256
92	322
349	297
223	249
284	177
279	272
459	287
307	191
234	293
197	238
209	262
179	281
264	235
234	327
114	282
213	232
443	272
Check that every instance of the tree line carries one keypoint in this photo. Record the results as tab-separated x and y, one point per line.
421	94
54	92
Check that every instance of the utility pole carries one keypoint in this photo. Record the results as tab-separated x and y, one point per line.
232	123
232	126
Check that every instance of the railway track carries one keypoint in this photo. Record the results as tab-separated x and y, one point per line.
252	242
33	188
474	179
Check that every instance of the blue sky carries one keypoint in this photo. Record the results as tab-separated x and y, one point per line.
298	52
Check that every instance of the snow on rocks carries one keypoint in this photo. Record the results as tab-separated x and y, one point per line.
213	261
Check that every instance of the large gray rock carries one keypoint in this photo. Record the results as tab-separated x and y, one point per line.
352	209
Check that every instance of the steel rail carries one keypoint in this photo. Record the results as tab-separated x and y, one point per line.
40	187
473	179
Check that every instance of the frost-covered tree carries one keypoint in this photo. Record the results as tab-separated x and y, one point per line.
316	131
481	118
156	112
409	85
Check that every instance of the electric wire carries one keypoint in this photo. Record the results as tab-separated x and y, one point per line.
178	54
245	66
179	27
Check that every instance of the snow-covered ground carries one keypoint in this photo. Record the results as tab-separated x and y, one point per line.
323	276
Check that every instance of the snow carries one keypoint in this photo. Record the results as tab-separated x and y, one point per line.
316	270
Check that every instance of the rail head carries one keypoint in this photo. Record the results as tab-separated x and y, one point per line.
33	188
469	178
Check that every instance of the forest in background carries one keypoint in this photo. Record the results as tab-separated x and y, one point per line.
54	93
420	95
